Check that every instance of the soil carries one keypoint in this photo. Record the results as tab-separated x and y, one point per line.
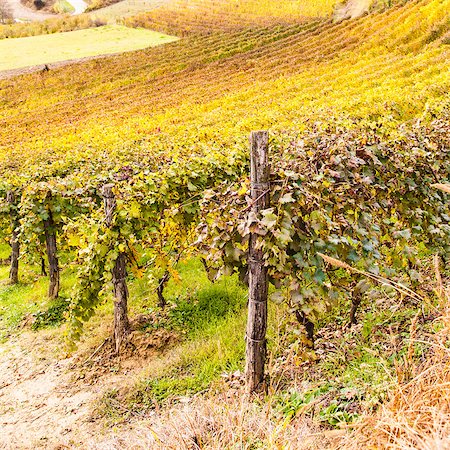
22	13
38	404
39	5
47	402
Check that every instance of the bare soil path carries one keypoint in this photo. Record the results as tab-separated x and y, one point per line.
79	6
39	405
47	402
22	13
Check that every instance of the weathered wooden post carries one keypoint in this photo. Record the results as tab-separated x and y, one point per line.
51	246
119	274
15	245
258	279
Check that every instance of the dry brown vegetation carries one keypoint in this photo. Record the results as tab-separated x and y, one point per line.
417	416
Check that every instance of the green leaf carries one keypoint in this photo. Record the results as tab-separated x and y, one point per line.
319	276
404	234
135	210
269	219
277	297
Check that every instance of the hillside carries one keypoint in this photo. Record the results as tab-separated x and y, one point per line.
382	67
125	190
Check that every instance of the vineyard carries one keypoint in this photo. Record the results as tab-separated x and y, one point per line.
121	172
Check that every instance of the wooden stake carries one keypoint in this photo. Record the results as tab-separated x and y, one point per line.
15	245
258	279
119	274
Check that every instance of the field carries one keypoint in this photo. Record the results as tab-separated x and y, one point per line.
125	182
46	49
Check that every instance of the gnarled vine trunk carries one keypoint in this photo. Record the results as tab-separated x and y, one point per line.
119	275
309	326
15	244
356	301
52	256
121	322
43	269
162	303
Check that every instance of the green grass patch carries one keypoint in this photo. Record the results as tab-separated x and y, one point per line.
63	7
213	318
219	348
18	301
194	303
52	316
29	299
30	51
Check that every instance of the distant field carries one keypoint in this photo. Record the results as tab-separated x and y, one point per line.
35	50
254	8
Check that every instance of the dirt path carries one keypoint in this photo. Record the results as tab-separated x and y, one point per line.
39	406
46	402
21	13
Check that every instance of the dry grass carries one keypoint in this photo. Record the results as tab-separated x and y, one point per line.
218	423
417	415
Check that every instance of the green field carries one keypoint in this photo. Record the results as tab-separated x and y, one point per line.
35	50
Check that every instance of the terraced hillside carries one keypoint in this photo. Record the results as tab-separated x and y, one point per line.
383	67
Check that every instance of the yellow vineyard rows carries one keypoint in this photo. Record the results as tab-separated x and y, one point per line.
213	89
186	17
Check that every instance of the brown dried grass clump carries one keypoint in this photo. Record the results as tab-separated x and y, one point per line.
417	416
217	423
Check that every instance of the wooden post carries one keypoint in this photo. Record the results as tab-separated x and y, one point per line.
258	279
52	257
119	274
15	245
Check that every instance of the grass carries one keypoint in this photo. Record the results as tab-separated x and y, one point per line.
35	50
213	320
218	349
63	6
28	299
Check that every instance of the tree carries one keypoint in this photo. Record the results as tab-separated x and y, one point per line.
5	12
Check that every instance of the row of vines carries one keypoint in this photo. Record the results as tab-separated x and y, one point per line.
122	167
345	194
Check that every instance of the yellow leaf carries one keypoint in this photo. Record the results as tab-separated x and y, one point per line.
243	190
175	275
135	210
74	240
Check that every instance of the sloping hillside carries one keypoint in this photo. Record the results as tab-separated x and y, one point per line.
385	67
141	159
